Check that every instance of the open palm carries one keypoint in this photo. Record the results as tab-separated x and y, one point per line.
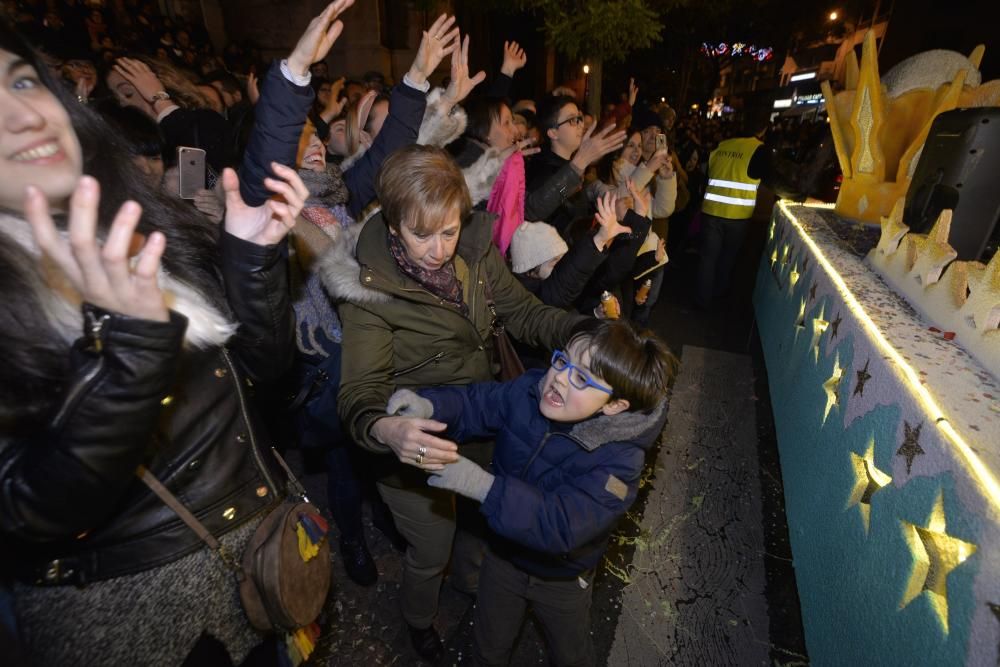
269	223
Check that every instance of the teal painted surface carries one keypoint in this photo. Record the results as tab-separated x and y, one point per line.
851	583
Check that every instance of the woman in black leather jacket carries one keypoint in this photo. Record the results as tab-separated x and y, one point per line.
110	365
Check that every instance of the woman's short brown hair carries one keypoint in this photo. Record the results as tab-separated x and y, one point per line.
420	186
635	362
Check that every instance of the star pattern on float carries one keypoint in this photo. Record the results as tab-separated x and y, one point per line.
983	303
832	386
863	377
932	252
835	326
910	449
819	325
893	230
935	555
868	480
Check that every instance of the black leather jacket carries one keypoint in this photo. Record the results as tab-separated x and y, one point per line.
72	509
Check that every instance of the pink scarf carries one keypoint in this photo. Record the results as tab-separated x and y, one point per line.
507	201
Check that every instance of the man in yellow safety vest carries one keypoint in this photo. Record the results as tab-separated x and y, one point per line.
735	171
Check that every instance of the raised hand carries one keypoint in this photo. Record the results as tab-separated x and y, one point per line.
269	223
658	160
318	37
461	85
523	145
633	92
596	145
514	58
607	219
143	79
102	275
207	202
642	199
413	442
336	103
253	88
438	41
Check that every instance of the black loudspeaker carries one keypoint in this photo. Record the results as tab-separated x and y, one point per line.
960	169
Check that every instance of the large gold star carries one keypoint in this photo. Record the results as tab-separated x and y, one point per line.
935	555
800	319
932	252
793	277
819	325
893	229
867	481
832	387
983	302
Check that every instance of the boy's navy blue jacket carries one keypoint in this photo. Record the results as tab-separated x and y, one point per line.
559	488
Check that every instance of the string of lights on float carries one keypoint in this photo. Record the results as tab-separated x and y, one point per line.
737	50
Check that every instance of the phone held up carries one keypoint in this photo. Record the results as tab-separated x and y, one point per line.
661	141
191	171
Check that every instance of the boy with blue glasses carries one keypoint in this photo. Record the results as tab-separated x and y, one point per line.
570	447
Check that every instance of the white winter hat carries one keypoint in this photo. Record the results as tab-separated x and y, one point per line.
533	244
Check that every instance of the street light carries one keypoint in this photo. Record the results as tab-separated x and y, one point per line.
586	69
833	16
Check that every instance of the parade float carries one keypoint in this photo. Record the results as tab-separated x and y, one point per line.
883	359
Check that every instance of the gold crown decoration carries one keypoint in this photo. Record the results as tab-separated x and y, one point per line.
958	297
879	125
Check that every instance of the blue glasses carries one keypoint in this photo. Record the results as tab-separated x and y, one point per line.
578	378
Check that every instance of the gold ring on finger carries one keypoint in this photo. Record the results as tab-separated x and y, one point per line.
419	458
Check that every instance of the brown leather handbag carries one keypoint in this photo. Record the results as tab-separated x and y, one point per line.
511	367
279	589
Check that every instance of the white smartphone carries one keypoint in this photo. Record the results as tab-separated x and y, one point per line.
191	171
661	141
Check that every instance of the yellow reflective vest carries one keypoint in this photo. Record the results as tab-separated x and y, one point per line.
730	192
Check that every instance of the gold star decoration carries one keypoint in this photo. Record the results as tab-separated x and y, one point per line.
770	231
793	277
868	479
831	387
932	252
983	302
784	254
800	319
910	449
835	326
774	257
863	377
893	230
935	554
819	325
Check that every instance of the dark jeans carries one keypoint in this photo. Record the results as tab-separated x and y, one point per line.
562	606
721	240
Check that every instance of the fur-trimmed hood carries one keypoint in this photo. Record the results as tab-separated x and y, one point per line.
60	302
341	271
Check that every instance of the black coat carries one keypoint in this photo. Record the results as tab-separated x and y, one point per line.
566	282
72	509
550	183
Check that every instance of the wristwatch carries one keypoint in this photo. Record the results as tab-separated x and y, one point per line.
158	96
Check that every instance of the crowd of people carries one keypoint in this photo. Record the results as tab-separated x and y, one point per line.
202	249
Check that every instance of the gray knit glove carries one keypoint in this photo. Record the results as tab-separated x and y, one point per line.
463	477
406	403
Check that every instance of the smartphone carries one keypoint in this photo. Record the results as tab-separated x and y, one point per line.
191	171
661	141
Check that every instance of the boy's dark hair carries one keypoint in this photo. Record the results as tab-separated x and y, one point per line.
548	111
635	362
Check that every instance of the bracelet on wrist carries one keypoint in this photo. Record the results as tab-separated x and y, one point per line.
159	96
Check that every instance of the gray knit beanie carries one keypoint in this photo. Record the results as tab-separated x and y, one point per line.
535	243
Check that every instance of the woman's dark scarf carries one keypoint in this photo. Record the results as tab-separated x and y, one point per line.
443	283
